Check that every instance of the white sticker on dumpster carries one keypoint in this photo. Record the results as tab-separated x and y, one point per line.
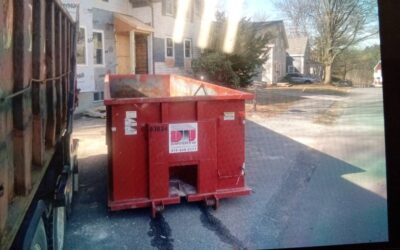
130	123
131	114
183	137
229	116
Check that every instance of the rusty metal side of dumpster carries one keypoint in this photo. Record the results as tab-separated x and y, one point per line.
6	119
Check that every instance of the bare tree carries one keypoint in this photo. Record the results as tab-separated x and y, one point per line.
357	64
296	11
260	16
332	25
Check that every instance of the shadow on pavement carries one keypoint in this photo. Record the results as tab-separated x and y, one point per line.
302	199
299	199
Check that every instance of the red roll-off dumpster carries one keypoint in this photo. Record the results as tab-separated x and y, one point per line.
170	136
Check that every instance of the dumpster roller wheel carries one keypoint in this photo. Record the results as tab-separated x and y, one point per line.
212	202
156	207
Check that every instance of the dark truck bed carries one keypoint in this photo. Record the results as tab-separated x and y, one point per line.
37	98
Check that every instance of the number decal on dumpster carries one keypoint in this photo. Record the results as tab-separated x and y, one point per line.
183	137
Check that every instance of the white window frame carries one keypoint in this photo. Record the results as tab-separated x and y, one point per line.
184	48
173	48
172	2
86	47
103	50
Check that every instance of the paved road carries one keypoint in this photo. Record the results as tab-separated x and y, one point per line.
349	128
310	169
350	169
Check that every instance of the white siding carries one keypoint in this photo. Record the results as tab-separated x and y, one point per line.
142	13
267	68
117	6
161	68
163	27
85	73
86	79
275	67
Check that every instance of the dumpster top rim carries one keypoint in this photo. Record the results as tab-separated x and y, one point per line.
233	93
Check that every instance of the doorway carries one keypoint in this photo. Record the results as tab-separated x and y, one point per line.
141	53
123	53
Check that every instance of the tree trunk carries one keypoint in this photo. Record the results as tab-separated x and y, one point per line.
328	74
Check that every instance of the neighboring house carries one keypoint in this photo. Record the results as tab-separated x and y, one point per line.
299	58
130	37
378	74
275	67
298	55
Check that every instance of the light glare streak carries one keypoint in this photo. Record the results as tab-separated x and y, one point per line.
206	21
235	8
180	20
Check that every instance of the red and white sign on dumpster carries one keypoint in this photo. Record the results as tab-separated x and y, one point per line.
182	138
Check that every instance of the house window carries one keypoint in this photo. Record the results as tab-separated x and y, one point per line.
98	96
169	47
290	69
188	48
169	7
81	47
98	48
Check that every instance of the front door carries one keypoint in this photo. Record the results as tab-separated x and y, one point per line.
141	53
123	53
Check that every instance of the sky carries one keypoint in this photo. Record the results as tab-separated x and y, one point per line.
262	10
256	9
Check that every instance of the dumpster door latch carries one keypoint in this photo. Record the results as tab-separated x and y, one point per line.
242	173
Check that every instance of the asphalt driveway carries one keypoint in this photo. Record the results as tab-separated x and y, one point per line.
300	194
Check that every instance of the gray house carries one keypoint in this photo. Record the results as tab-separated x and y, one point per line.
275	67
299	59
298	55
130	37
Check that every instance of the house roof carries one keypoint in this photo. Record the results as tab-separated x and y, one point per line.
265	25
261	25
297	45
124	23
378	66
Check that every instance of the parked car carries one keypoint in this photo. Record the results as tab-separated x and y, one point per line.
299	78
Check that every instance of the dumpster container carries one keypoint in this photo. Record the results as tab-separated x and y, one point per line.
170	136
